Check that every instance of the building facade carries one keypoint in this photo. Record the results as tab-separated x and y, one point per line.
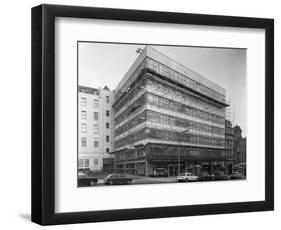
229	143
95	128
243	149
239	149
168	119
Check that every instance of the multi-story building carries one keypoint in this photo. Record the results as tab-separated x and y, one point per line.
229	142
243	149
95	128
236	144
239	149
168	119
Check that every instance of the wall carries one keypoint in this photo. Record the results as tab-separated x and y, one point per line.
89	151
15	113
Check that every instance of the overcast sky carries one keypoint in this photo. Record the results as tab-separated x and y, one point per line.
103	64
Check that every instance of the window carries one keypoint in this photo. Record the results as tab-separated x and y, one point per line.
86	163
107	113
96	116
83	128
96	162
80	163
107	138
83	115
107	150
83	141
107	125
96	128
107	99
96	143
96	103
83	101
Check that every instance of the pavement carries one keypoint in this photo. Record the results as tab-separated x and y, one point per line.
147	180
154	180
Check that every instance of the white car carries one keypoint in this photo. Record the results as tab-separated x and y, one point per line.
184	177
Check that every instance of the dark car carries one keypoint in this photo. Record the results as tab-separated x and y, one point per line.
85	181
235	176
205	176
220	176
117	179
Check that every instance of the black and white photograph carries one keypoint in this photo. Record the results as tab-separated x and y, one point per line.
141	114
151	114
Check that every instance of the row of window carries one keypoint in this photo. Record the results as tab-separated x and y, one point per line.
229	153
131	109
167	91
168	135
96	115
171	74
132	138
140	118
184	80
127	86
171	151
228	144
84	144
137	89
95	127
162	89
85	163
95	144
83	101
229	130
164	103
137	153
186	151
168	121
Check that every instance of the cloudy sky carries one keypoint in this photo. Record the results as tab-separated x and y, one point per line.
103	64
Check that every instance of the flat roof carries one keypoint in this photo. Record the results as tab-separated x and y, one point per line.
152	53
88	90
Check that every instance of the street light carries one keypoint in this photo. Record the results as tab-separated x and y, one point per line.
185	131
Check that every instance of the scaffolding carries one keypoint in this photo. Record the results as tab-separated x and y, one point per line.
169	108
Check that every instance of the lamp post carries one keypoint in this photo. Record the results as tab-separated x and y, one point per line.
129	148
184	131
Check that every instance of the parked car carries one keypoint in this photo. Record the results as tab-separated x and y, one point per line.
219	175
235	176
184	177
205	176
85	181
117	179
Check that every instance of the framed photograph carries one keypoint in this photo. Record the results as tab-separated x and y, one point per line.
145	114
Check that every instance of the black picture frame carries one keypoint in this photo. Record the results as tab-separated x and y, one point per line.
43	114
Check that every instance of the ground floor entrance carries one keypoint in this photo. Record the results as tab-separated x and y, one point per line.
162	160
169	168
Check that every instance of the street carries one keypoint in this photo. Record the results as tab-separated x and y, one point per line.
155	180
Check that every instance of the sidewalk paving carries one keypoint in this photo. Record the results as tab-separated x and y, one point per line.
154	180
147	180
